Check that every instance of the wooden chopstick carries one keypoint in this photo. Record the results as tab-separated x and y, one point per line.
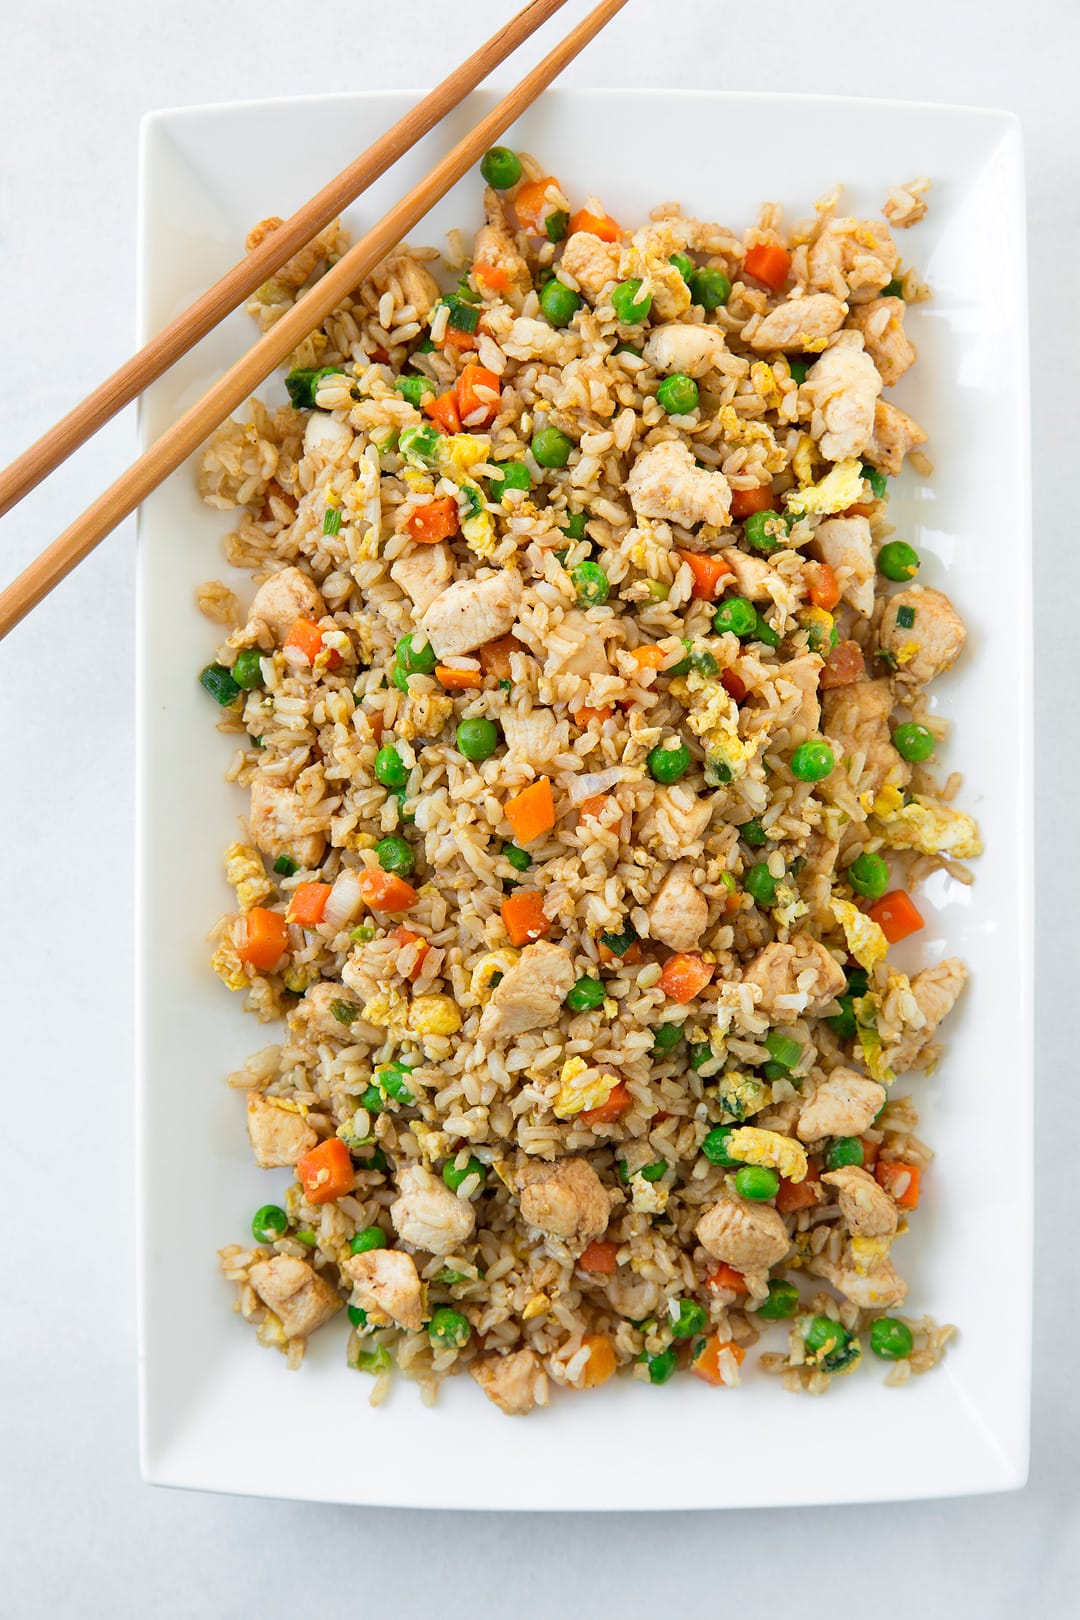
241	281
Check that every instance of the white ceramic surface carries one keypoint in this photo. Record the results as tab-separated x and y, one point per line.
207	1388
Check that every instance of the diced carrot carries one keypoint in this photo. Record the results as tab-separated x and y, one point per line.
377	721
768	262
523	916
650	657
494	656
706	1363
492	275
531	812
728	1278
896	915
860	509
794	1195
844	665
601	225
889	1173
307	904
306	637
474	408
601	1363
405	936
870	1151
379	355
824	591
261	938
685	975
600	1258
709	571
454	338
442	408
632	957
384	891
531	205
458	680
758	499
585	715
733	685
326	1172
592	806
619	1102
434	521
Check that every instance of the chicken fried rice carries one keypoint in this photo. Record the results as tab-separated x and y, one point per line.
581	712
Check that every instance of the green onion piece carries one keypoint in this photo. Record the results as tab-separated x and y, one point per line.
463	317
218	681
346	1012
619	944
285	866
331	522
303	384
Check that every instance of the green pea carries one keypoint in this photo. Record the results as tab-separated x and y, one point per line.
500	167
683	263
586	995
648	1172
667	1038
269	1223
757	1182
478	738
303	384
308	1239
858	980
454	1177
357	1316
709	288
878	482
868	875
448	1329
843	1023
890	1339
627	348
630	309
591	584
783	1301
678	394
559	303
754	834
218	681
766	531
390	769
662	1366
413	389
765	632
735	614
782	1049
831	1346
798	369
415	660
372	1237
574	527
392	1081
668	764
551	448
556	224
511	475
714	1147
812	761
519	859
760	885
913	742
898	561
689	1320
844	1150
394	855
401	795
247	670
374	1361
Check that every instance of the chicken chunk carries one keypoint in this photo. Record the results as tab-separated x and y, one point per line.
801	976
632	1295
866	1207
315	1013
936	990
423	572
895	433
881	323
877	1287
285	597
593	264
585	651
496	245
276	819
857	719
516	1382
327	437
278	1133
753	577
906	205
853	258
679	912
749	1237
691	349
529	339
530	994
387	1282
565	1199
841	389
300	1299
416	282
844	543
674	822
534	737
428	1215
842	1105
473	611
924	633
666	482
800	325
804	674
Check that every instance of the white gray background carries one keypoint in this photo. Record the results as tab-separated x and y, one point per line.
80	1534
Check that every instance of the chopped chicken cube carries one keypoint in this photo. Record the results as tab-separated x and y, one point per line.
923	632
531	993
593	264
675	821
866	1207
936	990
418	286
279	1133
473	611
666	482
800	325
853	258
842	1105
895	433
801	976
565	1199
516	1382
276	818
679	912
495	244
387	1282
300	1299
881	323
841	389
423	572
844	543
750	1237
857	720
691	349
877	1287
285	597
428	1215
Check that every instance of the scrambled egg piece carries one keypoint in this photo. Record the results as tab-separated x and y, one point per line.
714	717
580	1088
434	1015
388	1010
839	489
488	966
228	966
789	906
739	1094
883	803
433	1144
865	938
425	715
537	1306
770	1149
867	1252
247	874
931	828
648	1197
738	431
457	455
764	380
362	507
649	256
804	460
870	1042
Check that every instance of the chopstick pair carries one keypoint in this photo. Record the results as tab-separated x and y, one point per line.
234	387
